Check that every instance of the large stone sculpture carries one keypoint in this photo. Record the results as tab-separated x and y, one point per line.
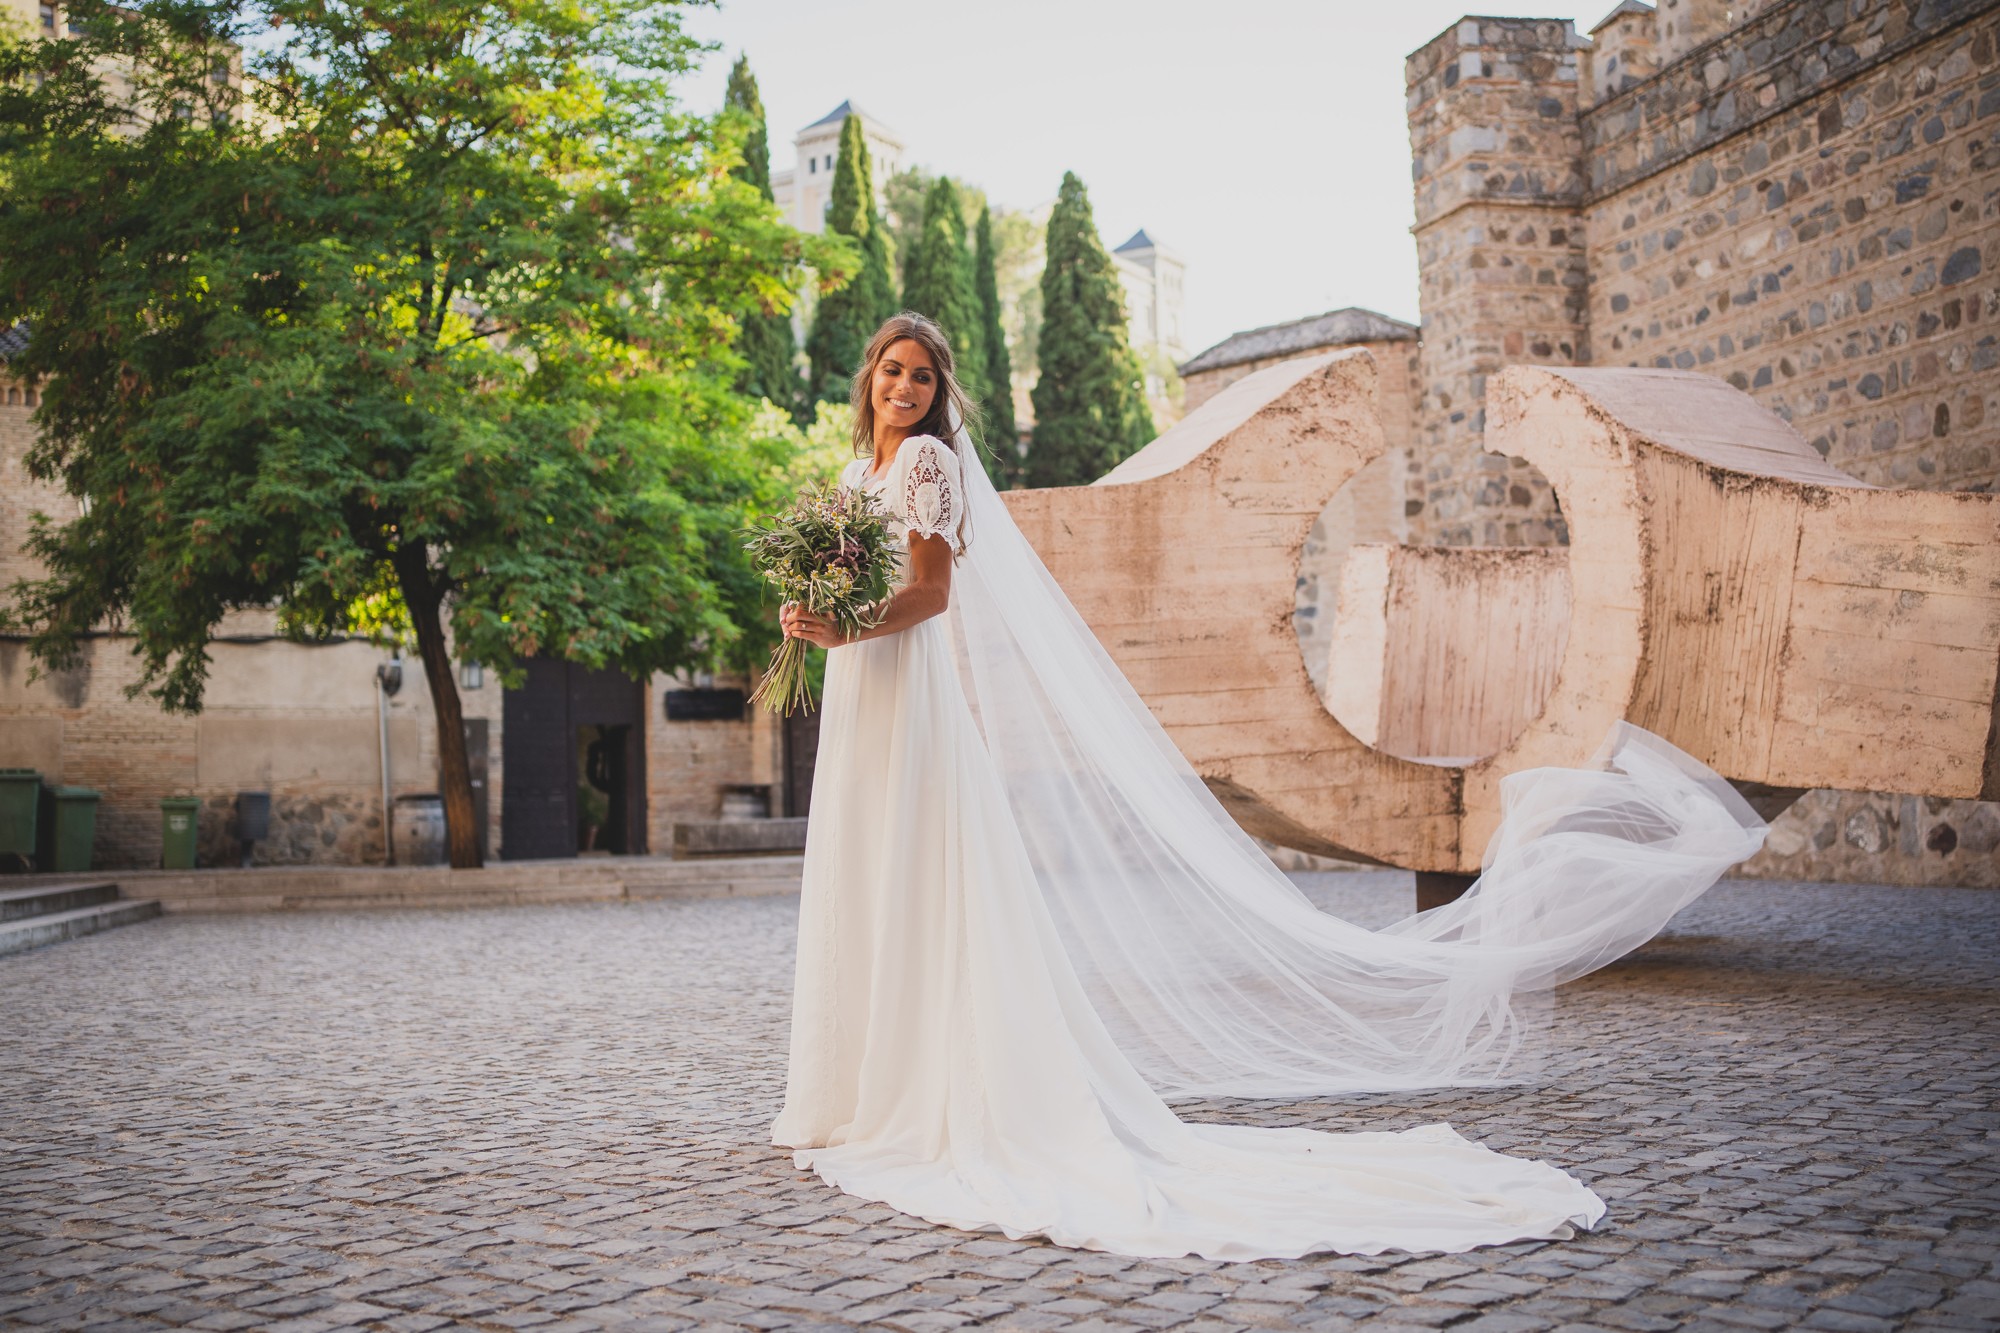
1724	587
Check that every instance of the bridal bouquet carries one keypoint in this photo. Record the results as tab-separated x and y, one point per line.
831	551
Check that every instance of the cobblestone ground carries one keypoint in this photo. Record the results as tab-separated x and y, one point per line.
553	1118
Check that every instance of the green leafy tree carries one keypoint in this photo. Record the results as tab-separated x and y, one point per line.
1090	400
766	343
1001	433
849	315
421	332
904	197
941	284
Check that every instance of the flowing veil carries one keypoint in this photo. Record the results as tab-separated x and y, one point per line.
1209	968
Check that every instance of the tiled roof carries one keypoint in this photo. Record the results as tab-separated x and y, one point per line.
1333	329
13	342
1140	241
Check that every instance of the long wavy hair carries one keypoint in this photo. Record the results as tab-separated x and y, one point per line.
948	408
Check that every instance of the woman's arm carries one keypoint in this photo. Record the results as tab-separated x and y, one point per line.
926	593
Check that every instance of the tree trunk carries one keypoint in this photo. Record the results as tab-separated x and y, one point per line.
426	604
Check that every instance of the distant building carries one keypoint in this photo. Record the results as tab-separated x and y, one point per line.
802	192
1391	340
1155	281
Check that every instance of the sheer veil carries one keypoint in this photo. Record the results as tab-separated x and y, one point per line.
1212	972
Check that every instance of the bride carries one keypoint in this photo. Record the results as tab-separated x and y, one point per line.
1025	923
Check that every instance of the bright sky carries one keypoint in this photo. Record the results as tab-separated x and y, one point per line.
1263	140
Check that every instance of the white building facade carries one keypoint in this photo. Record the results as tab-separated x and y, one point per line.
803	192
1155	281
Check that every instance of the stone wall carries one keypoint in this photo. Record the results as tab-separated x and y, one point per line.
1497	163
1883	838
1809	208
1811	211
1800	197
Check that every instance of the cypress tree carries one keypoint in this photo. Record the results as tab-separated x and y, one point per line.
940	284
1090	401
766	340
849	315
1001	433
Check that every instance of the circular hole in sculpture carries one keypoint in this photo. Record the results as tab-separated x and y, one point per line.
1438	653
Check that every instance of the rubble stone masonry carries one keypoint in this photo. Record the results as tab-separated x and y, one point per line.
1497	163
1800	197
1810	209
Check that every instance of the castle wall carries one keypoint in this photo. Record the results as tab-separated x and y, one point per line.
1502	275
1811	211
1806	204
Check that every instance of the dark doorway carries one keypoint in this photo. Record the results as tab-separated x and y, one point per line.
603	793
801	755
476	757
574	770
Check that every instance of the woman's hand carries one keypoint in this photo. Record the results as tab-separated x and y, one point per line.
799	623
926	593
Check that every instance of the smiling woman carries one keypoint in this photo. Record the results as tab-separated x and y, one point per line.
1025	920
906	398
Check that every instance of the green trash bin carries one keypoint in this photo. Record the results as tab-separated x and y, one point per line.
20	814
74	829
179	825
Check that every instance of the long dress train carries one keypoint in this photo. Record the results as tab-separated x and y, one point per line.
968	1048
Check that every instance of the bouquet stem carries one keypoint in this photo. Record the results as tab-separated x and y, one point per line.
785	687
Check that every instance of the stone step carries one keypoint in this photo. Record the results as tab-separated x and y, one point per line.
501	884
740	837
47	899
35	931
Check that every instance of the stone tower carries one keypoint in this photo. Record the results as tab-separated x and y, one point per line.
1624	49
1497	161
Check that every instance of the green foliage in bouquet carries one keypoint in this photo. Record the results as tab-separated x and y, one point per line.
832	552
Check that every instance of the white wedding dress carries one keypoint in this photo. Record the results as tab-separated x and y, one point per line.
1025	921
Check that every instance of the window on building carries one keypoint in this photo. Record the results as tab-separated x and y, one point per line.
49	16
812	166
829	161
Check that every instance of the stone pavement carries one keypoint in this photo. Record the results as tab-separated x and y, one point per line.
553	1118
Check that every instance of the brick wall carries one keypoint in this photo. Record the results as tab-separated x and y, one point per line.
20	495
688	764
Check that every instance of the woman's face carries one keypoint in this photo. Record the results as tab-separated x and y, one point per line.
904	386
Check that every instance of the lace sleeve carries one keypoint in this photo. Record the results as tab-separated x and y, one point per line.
932	498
